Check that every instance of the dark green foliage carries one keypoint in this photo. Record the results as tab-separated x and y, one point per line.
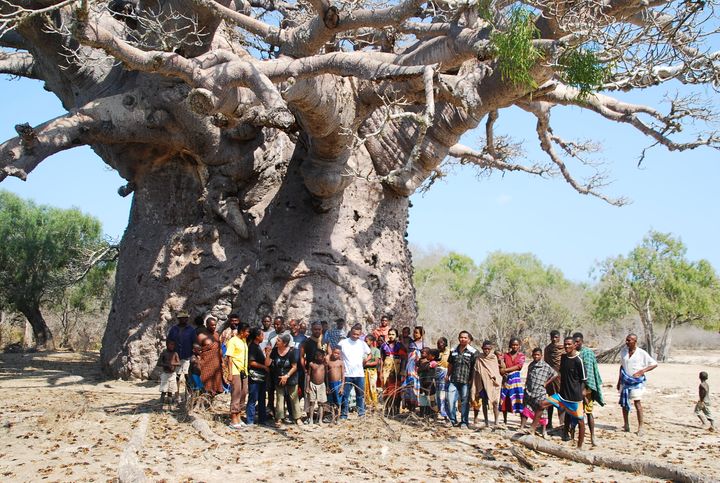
43	251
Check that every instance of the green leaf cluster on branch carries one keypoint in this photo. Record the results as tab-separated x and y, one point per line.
582	69
515	51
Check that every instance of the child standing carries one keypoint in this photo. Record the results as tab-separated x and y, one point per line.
168	361
316	390
196	382
427	372
702	408
336	381
539	375
371	367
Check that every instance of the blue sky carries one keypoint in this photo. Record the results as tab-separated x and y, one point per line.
671	192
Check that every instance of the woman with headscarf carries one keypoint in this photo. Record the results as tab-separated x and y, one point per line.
393	355
511	395
210	357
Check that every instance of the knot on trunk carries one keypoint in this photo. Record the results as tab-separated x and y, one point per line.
201	101
331	19
27	134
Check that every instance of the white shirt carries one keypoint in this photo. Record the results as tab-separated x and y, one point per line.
639	360
267	336
353	354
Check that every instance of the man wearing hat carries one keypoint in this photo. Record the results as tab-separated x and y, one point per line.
184	337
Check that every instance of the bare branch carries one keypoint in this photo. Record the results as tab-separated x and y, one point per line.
590	186
12	15
339	63
623	112
310	36
485	160
270	34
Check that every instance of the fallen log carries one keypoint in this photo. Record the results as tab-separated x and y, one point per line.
203	428
524	460
516	472
643	466
129	469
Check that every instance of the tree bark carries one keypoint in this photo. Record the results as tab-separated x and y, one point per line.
665	342
41	331
648	325
299	256
28	340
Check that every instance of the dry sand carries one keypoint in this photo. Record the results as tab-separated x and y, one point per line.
62	421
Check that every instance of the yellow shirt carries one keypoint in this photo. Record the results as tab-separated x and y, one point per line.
237	350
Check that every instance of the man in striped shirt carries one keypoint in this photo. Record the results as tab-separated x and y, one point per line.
570	397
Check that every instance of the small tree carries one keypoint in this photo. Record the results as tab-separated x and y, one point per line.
658	282
442	287
43	251
522	295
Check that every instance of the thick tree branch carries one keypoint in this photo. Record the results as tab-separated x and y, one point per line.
20	155
342	64
311	36
167	125
270	34
13	40
20	64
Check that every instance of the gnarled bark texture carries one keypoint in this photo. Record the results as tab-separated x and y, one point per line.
346	260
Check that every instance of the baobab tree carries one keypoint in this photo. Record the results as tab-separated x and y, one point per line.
271	145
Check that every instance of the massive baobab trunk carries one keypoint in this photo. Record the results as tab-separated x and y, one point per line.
348	259
271	162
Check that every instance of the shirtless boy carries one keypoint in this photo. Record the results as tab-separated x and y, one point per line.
316	391
335	381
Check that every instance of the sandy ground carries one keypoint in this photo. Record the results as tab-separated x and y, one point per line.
62	421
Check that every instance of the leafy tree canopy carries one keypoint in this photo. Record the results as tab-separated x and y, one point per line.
44	250
657	281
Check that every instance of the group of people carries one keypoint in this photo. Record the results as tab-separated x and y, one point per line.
271	368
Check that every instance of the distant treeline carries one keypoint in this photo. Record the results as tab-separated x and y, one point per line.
652	290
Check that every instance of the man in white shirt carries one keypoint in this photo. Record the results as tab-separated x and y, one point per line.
634	363
355	353
281	329
268	331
